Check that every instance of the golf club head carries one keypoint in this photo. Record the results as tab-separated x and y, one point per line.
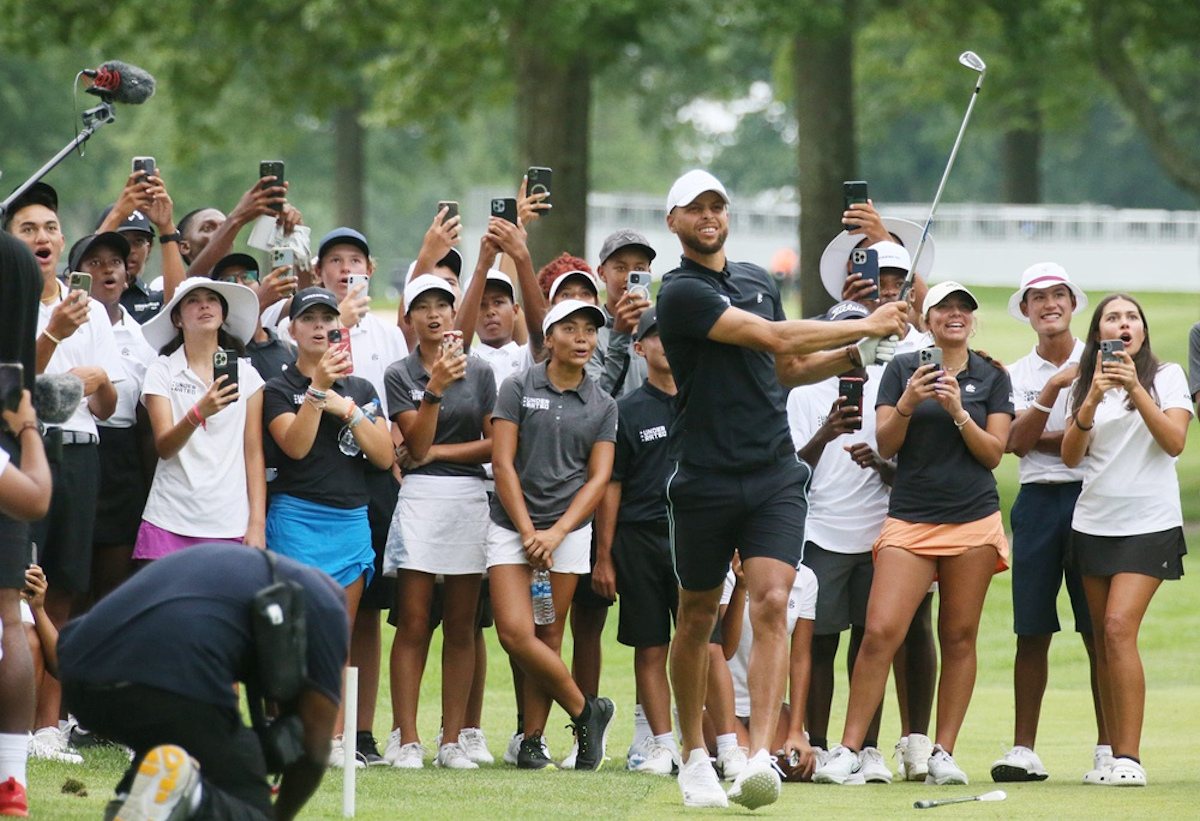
972	61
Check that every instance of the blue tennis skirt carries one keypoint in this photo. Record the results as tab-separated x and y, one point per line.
335	540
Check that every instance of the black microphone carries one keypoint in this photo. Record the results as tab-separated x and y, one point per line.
121	82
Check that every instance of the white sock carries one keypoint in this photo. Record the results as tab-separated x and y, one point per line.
726	741
1103	749
14	749
641	727
668	741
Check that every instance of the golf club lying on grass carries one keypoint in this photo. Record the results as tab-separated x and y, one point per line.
994	795
972	61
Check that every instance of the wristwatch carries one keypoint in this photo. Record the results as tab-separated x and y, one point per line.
165	238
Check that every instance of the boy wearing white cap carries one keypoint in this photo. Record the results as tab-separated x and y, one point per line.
1041	515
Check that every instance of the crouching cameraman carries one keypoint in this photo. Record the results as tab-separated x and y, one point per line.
154	665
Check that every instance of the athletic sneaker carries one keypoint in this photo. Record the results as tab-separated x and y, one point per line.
337	755
568	763
759	784
475	745
916	757
1019	764
453	757
658	760
513	749
1126	772
873	768
943	770
13	801
732	762
50	744
1102	764
410	756
637	754
592	734
842	767
166	779
699	783
533	755
368	750
820	756
898	754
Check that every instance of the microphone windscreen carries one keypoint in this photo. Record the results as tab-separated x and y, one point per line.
56	396
136	85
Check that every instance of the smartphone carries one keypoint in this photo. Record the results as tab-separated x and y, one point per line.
225	364
1109	348
282	255
272	168
538	181
930	356
339	338
12	382
851	387
865	261
452	340
638	284
358	279
505	208
853	191
451	209
144	166
79	281
33	557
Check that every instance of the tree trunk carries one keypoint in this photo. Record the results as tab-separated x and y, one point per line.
349	175
553	124
823	83
1022	151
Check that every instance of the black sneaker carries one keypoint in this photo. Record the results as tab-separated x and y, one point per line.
532	755
367	751
592	734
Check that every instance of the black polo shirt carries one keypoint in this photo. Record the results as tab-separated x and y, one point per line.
641	464
272	357
326	476
464	405
937	478
141	302
732	410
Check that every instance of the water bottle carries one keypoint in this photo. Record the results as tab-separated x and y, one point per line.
543	598
346	441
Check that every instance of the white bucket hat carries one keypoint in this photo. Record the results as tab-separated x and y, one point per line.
241	318
833	258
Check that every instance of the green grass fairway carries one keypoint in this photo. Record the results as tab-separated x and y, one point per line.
1067	732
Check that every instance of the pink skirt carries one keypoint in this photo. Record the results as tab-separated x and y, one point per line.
938	540
153	542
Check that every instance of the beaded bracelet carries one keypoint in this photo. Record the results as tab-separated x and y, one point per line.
316	394
355	419
52	337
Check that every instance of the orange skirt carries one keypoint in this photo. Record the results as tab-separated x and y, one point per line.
937	540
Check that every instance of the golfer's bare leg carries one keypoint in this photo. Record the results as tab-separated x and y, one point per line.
694	625
769	582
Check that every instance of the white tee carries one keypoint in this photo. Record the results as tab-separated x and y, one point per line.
1029	375
91	344
136	356
505	361
846	504
1129	483
201	491
802	604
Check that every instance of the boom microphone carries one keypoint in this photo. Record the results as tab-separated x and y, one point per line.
57	396
121	82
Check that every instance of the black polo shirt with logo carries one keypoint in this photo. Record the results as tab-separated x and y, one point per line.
142	303
641	464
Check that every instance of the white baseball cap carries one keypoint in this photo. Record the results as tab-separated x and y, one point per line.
1044	275
505	281
691	185
939	292
833	258
567	307
892	255
561	279
423	283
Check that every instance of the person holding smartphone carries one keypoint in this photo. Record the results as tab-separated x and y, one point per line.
442	402
1127	424
209	484
946	425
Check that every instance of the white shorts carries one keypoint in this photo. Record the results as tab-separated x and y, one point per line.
574	555
440	525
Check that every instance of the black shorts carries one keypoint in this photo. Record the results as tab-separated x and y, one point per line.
759	513
1159	555
646	582
123	487
438	603
382	490
585	596
843	587
1041	525
64	537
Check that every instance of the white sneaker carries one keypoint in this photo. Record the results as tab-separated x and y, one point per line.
898	754
732	762
1102	764
659	759
637	754
475	745
820	755
337	755
568	763
1019	764
453	757
699	783
842	767
50	744
513	748
943	770
410	756
873	768
1126	772
759	784
916	757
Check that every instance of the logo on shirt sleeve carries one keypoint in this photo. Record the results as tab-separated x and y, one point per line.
416	394
535	403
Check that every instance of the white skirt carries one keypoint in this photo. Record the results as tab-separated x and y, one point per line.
573	555
440	525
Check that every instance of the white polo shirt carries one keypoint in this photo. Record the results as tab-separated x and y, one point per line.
91	344
1129	483
1029	375
201	491
507	360
136	356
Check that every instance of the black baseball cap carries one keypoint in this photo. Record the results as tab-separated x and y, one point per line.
38	194
309	297
624	238
109	239
648	323
137	221
228	261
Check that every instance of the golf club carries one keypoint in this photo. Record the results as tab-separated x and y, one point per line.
994	795
972	61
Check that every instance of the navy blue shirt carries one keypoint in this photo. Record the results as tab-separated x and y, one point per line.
641	464
732	410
